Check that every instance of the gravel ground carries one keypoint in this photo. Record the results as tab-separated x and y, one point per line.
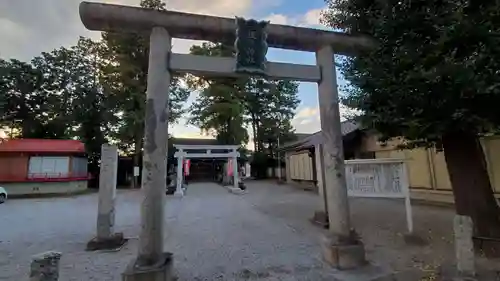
215	235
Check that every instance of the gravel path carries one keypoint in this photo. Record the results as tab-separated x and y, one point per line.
215	235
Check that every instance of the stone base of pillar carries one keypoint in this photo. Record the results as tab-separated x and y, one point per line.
347	253
114	242
179	193
236	190
163	271
320	218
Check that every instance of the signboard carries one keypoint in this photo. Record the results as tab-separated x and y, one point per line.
136	171
251	46
372	179
379	178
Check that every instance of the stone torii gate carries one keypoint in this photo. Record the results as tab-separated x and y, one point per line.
341	248
184	153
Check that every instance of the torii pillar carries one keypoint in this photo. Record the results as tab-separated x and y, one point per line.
152	263
341	247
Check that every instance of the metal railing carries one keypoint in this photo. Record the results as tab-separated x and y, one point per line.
49	176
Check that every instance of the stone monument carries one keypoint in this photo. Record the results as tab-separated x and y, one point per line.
45	266
464	247
106	238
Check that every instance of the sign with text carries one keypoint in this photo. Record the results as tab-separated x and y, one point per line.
380	178
251	46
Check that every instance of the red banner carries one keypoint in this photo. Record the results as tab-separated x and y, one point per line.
230	167
187	164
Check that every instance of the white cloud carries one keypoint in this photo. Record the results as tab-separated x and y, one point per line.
278	19
307	112
29	27
184	130
309	19
182	46
312	17
308	119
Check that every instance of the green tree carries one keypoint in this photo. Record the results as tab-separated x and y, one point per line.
274	104
25	103
432	77
126	76
229	106
78	104
219	107
59	95
93	103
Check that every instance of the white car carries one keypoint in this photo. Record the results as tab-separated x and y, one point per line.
3	195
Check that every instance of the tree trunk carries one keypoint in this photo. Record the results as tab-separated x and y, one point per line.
472	188
137	159
230	137
254	131
271	154
260	145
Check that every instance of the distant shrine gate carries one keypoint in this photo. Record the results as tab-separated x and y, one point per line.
252	39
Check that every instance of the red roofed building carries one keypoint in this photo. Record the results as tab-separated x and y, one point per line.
42	166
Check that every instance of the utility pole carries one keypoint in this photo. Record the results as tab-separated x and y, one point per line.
277	149
279	160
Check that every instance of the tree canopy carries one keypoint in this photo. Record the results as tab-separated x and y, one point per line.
431	78
126	75
433	69
231	106
58	95
93	91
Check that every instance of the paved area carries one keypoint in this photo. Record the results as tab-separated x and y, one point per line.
215	235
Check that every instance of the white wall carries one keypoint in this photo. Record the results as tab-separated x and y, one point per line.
31	188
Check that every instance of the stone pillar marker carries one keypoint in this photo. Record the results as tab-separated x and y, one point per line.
288	168
107	191
321	214
464	247
248	170
342	248
106	238
235	171
225	173
45	266
152	263
180	176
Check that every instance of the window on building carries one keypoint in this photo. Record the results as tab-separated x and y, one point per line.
79	167
48	167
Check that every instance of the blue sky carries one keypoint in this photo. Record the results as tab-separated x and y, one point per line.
301	13
55	23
